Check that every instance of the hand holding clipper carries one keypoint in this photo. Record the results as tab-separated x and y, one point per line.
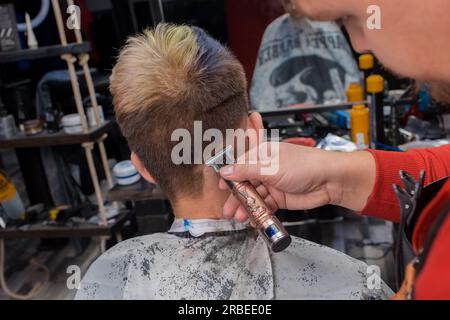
268	225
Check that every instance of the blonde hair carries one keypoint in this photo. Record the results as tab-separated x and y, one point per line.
165	79
157	63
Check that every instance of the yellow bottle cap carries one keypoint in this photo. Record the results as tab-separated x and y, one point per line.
375	84
355	92
366	61
53	214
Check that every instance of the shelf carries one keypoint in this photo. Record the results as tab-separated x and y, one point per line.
294	109
40	230
59	138
44	52
139	191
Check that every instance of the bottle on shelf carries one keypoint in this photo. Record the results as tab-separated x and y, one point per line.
359	123
355	93
359	117
51	115
31	38
9	198
8	127
375	90
366	66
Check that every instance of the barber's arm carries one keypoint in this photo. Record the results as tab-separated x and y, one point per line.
308	178
383	202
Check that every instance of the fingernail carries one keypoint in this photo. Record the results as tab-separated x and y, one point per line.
226	171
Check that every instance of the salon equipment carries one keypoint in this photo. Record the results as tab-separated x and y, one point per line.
125	173
31	38
8	127
359	115
92	118
355	93
366	65
9	37
289	127
375	89
333	142
50	113
359	124
32	127
419	128
38	19
307	109
83	61
65	214
268	225
9	198
71	123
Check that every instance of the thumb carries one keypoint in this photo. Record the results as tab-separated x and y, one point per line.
241	172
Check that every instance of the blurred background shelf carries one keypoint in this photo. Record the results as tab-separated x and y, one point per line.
40	230
45	139
44	52
139	191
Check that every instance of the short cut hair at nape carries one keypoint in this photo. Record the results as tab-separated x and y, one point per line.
165	79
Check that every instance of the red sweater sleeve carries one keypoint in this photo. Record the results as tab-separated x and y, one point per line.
383	202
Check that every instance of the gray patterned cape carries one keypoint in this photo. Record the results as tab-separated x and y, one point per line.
221	259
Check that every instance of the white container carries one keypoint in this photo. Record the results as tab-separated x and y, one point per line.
8	127
91	116
71	123
125	173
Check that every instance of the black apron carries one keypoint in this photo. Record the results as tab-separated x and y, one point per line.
410	210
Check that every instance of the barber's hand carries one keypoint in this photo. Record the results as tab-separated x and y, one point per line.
306	178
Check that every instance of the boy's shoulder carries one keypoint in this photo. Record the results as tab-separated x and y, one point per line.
310	270
109	275
146	242
302	246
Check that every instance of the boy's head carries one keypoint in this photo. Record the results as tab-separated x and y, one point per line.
166	79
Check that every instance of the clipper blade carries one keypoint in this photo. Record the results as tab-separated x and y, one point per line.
221	159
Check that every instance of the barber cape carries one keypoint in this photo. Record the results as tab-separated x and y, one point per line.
221	259
302	61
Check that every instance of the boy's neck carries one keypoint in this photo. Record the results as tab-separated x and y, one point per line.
205	207
209	205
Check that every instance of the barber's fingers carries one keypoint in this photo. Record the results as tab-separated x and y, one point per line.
223	185
267	197
234	209
232	204
260	163
230	207
241	172
241	214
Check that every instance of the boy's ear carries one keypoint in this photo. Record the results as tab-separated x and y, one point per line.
141	169
255	121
